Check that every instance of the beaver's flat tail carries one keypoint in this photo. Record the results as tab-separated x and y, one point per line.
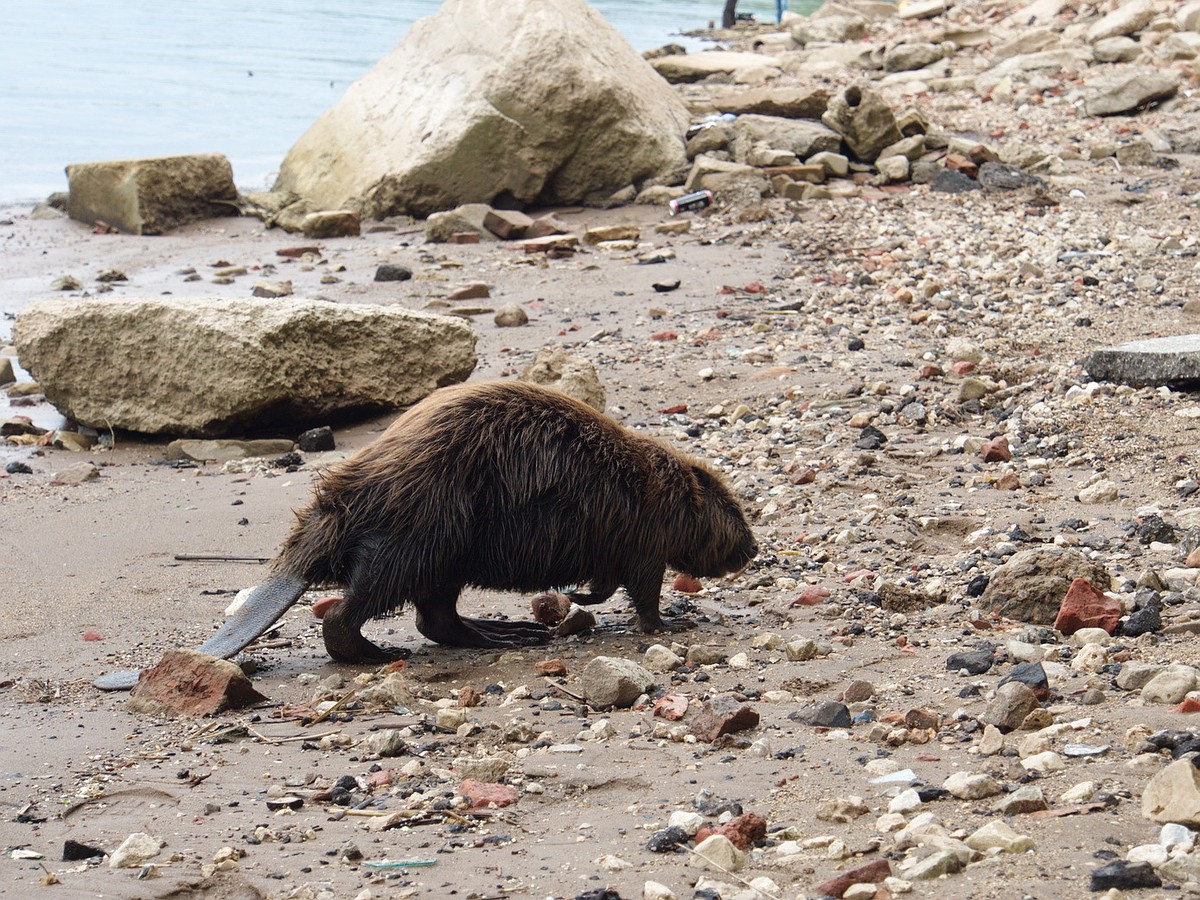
262	609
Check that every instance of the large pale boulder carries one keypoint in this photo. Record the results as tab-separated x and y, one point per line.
211	367
525	100
152	195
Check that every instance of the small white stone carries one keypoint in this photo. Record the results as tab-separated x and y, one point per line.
690	822
134	851
652	890
717	852
905	802
969	786
1044	762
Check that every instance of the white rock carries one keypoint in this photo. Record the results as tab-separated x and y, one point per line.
1170	685
661	659
690	822
1091	658
135	850
258	355
998	834
1044	762
1103	491
1173	795
968	786
469	105
652	890
717	853
905	801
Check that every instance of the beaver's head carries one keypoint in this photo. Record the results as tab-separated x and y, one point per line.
713	537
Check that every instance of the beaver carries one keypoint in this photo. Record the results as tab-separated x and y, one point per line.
502	485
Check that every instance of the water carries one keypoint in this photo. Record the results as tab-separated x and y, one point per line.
115	79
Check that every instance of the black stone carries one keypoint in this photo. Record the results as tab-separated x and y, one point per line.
929	794
316	439
1153	528
668	840
1147	620
977	585
18	468
1031	674
952	181
390	272
871	438
599	894
73	851
976	662
855	343
1123	875
830	714
996	176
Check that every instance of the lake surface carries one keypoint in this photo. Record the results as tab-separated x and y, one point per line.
114	79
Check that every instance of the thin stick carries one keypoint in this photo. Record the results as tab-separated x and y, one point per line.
325	715
219	557
288	740
733	875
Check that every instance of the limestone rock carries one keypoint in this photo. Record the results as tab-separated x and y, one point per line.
135	850
612	681
1031	585
1128	18
1012	703
787	103
1170	361
441	227
1170	685
208	367
1116	49
331	223
224	450
187	682
385	742
799	136
864	120
969	786
152	195
717	852
997	834
906	57
470	105
1173	795
685	68
1125	89
573	375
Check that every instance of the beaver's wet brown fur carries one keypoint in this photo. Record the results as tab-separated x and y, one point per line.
508	486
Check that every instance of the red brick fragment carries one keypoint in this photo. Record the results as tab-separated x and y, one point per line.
871	873
671	707
742	830
483	794
190	683
1086	607
995	450
721	716
553	668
